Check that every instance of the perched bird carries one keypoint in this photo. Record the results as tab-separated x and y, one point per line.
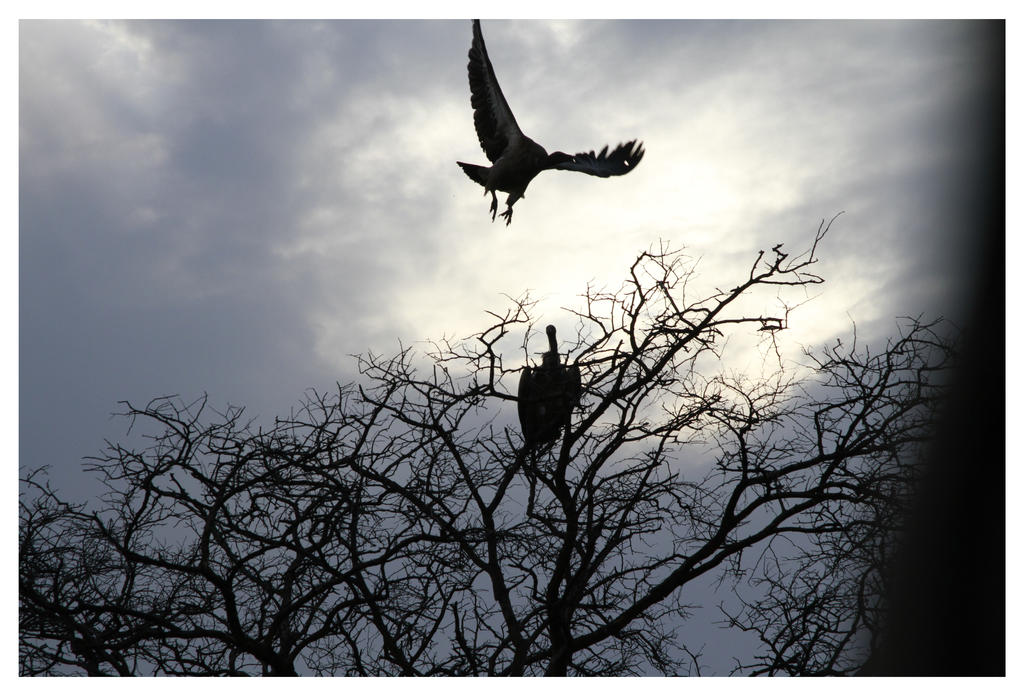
547	395
515	158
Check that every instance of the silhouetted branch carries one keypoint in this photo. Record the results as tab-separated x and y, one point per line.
401	526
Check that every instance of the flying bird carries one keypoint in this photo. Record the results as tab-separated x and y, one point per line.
547	395
516	159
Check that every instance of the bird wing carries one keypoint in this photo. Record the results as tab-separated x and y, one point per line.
619	161
527	403
495	124
573	384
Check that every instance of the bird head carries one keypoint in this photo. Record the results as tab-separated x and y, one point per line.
551	357
552	341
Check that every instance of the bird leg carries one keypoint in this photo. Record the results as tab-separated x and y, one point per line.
512	198
494	204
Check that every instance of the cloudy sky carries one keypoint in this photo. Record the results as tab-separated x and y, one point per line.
237	207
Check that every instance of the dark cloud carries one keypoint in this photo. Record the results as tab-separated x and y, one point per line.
234	207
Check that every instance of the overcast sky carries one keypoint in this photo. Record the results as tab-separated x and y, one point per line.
237	207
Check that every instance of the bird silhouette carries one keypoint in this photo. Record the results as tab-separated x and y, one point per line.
516	159
547	395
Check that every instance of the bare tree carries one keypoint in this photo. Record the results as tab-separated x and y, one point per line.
820	606
400	525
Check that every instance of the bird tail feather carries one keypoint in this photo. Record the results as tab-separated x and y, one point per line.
475	172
